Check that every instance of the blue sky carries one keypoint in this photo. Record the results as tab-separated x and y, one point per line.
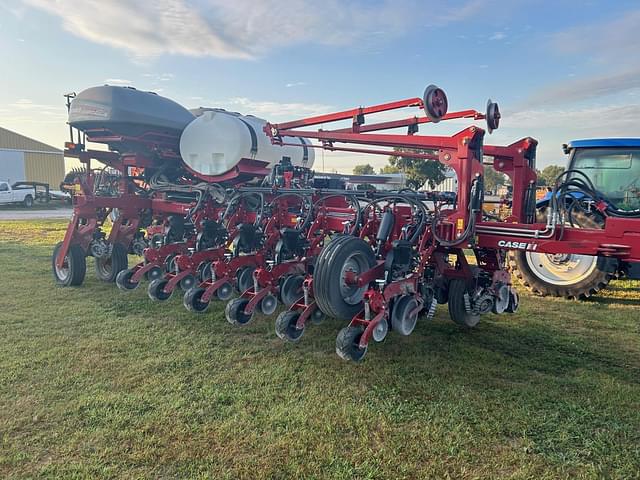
560	70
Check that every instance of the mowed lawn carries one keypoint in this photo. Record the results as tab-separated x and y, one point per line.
98	383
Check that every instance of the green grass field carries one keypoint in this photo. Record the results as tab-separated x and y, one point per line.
97	383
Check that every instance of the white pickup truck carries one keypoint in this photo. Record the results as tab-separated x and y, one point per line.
24	196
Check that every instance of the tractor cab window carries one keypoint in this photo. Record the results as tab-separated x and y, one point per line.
4	187
615	172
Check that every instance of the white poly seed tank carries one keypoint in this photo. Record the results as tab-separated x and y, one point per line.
216	141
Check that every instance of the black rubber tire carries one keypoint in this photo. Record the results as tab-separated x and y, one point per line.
107	269
291	289
234	312
604	272
28	201
324	259
156	290
327	286
123	280
244	279
286	326
347	344
457	311
192	300
76	266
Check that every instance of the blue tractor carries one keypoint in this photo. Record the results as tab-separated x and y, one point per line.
599	170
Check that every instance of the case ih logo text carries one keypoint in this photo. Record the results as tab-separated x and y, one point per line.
518	245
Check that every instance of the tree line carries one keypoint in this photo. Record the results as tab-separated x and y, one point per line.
420	172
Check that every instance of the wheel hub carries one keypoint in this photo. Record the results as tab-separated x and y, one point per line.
352	268
561	269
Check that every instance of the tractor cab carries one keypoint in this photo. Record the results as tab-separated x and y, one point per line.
612	165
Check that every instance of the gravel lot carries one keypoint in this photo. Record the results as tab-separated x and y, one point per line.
30	214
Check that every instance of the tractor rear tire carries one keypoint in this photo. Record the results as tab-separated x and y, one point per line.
74	269
333	296
549	275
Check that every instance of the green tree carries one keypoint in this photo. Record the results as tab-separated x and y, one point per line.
493	179
365	169
418	170
548	175
389	169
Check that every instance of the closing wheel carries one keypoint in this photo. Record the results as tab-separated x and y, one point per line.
564	275
244	279
235	314
156	290
435	103
286	326
347	344
317	317
187	282
457	304
108	268
192	300
153	274
338	264
404	315
268	305
225	292
123	280
291	289
73	269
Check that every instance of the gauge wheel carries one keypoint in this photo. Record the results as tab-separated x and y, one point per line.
244	279
291	289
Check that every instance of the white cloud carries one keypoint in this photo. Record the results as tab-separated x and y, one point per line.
611	119
587	88
616	40
159	77
295	84
118	81
243	28
273	110
498	36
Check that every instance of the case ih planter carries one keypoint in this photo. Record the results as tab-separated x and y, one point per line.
217	206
